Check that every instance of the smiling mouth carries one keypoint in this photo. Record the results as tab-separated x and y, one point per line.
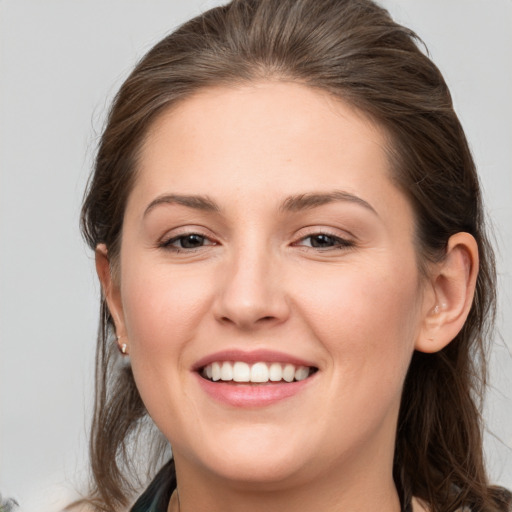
257	373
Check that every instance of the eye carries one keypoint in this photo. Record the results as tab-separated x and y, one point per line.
324	241
187	241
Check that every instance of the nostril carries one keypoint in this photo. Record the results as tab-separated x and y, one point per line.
264	319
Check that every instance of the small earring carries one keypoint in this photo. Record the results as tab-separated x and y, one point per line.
122	347
438	308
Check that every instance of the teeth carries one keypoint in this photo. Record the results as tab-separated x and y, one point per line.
289	372
301	373
241	372
215	371
260	372
276	372
226	371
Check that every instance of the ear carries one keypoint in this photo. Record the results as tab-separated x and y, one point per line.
449	301
110	288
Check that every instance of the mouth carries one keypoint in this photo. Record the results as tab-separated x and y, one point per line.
260	372
254	379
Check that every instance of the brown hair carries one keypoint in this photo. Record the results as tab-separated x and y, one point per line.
355	51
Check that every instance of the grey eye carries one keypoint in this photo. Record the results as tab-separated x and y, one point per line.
322	240
191	241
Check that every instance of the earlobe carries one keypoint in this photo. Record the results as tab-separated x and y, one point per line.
110	288
453	282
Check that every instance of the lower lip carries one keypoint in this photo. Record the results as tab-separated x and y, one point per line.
252	395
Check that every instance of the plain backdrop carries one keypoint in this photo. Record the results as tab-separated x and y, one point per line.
61	61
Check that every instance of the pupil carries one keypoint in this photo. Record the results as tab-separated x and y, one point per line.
192	241
321	241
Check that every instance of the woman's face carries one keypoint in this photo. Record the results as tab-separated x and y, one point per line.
264	240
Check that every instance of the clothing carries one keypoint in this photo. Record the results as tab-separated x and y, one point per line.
156	497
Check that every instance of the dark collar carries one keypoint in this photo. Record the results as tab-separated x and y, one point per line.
156	497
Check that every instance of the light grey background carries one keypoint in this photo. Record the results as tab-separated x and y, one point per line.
60	63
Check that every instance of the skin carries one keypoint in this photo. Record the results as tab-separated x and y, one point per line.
357	307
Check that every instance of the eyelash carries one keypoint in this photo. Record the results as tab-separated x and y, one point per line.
168	244
336	242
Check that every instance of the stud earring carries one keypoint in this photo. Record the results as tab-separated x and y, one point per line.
438	308
122	347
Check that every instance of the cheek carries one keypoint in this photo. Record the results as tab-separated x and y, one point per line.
162	311
368	318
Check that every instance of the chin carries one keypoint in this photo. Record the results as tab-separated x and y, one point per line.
262	473
260	460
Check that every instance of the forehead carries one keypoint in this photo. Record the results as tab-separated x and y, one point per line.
264	140
264	114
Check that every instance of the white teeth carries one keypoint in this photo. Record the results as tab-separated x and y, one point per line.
301	373
260	372
289	372
276	372
215	371
241	372
226	371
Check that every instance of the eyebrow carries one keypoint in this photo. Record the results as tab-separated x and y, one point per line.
203	203
313	200
290	204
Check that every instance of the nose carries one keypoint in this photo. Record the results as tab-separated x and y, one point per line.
251	291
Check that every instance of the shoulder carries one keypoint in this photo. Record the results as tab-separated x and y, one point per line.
420	506
83	506
80	507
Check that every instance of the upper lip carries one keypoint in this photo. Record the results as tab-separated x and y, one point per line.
252	356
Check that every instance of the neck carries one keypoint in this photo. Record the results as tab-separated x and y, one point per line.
370	488
358	480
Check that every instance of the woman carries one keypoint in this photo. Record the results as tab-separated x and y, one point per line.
289	236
